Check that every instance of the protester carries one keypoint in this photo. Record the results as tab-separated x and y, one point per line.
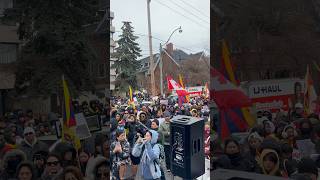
30	144
67	153
83	158
11	160
120	153
149	152
39	161
25	171
53	168
164	130
309	168
72	173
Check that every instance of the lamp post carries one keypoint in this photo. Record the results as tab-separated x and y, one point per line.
161	63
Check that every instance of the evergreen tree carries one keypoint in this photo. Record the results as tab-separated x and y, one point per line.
55	43
126	54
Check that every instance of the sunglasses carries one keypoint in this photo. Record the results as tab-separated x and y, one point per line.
55	163
27	134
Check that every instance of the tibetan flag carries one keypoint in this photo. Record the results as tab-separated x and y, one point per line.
69	118
310	95
69	121
228	70
225	94
130	93
227	67
182	85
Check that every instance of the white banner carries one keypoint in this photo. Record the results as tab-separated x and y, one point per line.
269	88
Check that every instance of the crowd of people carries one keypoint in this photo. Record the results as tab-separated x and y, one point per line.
284	144
24	156
140	134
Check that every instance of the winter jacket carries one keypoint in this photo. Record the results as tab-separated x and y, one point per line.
131	128
149	164
164	130
92	165
30	149
237	162
9	169
119	157
57	176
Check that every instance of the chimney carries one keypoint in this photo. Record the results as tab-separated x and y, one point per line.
170	48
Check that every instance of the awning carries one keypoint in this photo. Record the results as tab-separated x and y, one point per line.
7	80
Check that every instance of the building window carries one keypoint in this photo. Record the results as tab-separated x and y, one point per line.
102	70
8	53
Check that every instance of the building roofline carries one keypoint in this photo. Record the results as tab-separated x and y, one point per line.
165	51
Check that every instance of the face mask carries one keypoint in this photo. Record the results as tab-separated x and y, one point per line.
305	130
233	156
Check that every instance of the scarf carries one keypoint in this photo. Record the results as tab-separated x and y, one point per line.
33	143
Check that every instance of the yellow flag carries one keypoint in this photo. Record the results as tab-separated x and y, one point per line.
130	93
182	85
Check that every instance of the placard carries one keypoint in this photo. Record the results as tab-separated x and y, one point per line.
93	123
82	129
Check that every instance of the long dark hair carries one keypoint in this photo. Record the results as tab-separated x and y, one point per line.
29	166
228	141
74	170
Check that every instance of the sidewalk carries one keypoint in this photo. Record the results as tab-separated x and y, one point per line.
169	176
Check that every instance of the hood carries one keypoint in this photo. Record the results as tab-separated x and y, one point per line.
271	125
92	165
155	135
13	153
139	113
263	154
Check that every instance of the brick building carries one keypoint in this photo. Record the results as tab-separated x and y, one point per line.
170	67
194	69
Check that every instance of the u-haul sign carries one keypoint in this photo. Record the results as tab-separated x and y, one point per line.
274	94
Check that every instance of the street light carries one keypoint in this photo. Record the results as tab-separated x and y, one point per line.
161	73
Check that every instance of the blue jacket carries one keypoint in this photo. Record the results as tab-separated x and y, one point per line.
148	166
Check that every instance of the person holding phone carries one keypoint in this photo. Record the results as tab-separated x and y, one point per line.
149	151
120	155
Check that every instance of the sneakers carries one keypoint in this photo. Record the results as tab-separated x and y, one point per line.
168	170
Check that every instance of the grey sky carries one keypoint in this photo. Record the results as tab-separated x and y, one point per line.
196	32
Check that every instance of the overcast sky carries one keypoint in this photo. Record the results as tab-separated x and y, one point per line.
166	15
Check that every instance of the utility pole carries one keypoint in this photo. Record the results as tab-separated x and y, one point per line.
161	72
152	82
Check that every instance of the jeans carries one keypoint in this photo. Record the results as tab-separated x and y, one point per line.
167	151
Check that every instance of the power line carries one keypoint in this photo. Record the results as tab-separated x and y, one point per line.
181	14
190	12
194	8
156	38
